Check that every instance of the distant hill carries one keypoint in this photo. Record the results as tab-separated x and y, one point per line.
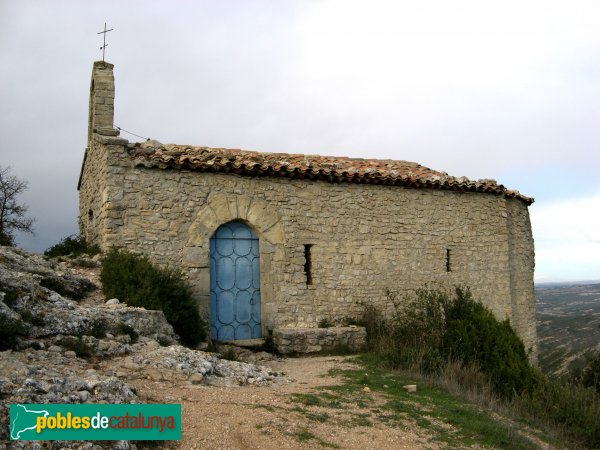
565	283
568	324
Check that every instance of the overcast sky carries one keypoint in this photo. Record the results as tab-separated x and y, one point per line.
505	89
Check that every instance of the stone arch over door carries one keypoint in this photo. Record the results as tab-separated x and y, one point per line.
221	208
234	283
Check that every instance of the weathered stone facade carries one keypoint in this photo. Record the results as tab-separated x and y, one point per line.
363	239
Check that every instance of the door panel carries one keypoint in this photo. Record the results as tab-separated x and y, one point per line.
234	283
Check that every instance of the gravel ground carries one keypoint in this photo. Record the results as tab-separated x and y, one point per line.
262	417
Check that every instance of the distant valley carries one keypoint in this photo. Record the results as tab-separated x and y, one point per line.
568	324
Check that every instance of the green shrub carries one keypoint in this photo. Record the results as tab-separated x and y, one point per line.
325	323
34	319
98	328
474	336
85	263
77	345
431	329
72	245
569	409
411	338
55	284
591	373
11	294
134	280
460	340
269	345
68	286
123	328
6	239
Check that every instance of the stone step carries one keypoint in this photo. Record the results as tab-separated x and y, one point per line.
246	343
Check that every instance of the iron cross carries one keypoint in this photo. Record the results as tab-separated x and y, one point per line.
104	44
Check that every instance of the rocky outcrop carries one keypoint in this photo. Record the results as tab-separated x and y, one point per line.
41	317
157	363
59	348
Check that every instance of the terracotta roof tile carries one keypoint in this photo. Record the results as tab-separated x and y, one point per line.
312	167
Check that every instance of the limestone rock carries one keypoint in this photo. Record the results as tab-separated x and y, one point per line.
42	317
46	362
196	366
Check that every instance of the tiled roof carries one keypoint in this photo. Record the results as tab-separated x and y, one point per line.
311	167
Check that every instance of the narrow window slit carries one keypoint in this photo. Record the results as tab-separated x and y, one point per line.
448	268
308	264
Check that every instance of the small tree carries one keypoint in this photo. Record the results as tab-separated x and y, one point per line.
12	214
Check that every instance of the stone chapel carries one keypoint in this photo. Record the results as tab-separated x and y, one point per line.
271	242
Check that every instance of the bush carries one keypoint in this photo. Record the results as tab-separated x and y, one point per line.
411	338
76	344
72	246
68	286
325	323
474	336
11	294
460	340
431	329
134	280
591	373
572	410
128	330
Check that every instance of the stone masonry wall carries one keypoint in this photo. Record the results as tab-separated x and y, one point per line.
97	191
97	217
92	194
366	239
522	263
313	340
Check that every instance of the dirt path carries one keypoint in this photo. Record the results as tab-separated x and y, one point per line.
252	417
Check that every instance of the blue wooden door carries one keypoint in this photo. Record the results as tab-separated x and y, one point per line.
234	283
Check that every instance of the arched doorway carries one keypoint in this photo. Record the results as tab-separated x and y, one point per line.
234	283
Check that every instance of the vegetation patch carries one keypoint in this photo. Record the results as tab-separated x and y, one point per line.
77	345
324	400
306	436
432	329
11	294
269	345
123	328
448	418
72	246
438	335
98	328
571	410
326	323
85	263
67	286
34	319
137	282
